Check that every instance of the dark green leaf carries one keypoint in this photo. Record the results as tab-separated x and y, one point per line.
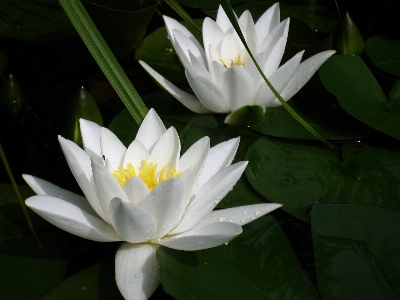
299	175
40	20
357	251
3	61
204	4
94	283
347	38
27	271
157	51
384	53
359	94
259	264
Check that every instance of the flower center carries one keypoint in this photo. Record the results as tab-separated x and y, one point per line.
238	62
147	172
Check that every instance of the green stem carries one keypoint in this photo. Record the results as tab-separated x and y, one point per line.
105	58
16	190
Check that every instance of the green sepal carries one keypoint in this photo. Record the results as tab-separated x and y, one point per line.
246	115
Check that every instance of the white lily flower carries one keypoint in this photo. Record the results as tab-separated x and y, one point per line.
146	195
223	76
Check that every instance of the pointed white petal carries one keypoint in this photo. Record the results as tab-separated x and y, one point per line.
219	157
173	25
45	188
187	45
187	179
238	87
212	35
207	92
188	100
275	57
107	187
304	72
136	270
75	218
198	67
112	148
210	195
151	129
182	47
80	166
273	37
268	21
135	153
167	151
136	190
278	80
204	237
223	21
132	222
165	203
216	71
247	26
240	215
91	138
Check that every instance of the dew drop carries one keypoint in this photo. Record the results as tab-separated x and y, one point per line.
221	219
245	212
243	220
253	218
257	212
231	220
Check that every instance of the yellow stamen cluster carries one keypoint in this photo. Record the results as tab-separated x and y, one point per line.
238	62
147	173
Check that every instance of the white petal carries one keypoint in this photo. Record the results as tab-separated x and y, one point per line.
207	92
203	237
107	187
198	67
275	57
186	45
219	157
273	37
45	188
304	72
187	178
136	190
132	222
223	20
151	129
212	35
216	71
240	215
80	166
136	270
230	49
167	151
135	153
112	148
165	203
278	80
91	138
247	26
268	21
80	220
188	100
238	87
182	45
210	195
173	25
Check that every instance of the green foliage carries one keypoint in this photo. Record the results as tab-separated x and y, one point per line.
384	53
347	38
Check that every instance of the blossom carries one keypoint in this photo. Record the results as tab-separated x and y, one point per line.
145	195
223	76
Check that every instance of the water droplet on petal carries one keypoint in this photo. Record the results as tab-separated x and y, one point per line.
243	220
221	219
245	212
257	213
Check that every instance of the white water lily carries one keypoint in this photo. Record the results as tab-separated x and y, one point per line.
223	76
146	195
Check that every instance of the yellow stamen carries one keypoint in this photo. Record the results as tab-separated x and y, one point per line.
238	62
147	173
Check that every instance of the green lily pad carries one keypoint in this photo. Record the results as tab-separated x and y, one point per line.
384	53
40	20
299	175
359	94
258	264
190	126
357	251
347	38
12	219
96	282
27	271
157	51
246	115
